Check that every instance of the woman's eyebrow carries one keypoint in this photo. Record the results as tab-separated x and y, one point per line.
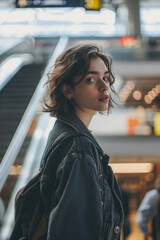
96	73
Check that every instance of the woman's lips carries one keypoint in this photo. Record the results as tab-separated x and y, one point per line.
104	98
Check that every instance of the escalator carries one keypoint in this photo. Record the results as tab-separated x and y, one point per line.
14	99
23	131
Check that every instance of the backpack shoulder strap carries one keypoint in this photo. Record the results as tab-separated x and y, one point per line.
55	145
65	136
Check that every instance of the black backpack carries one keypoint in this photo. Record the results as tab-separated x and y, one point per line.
31	221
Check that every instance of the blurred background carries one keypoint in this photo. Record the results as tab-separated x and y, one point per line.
32	34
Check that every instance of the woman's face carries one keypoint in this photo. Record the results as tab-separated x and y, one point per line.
92	93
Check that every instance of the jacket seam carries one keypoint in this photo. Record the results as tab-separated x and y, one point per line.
80	155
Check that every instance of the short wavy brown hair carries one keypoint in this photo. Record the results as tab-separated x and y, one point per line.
73	62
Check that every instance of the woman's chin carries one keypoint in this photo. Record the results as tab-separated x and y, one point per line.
103	109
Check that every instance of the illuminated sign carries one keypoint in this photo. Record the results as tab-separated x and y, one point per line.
88	4
49	3
128	41
93	4
157	124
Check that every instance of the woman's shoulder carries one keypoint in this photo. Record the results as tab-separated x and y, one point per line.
85	145
75	140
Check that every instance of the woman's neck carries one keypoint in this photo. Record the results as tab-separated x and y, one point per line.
85	116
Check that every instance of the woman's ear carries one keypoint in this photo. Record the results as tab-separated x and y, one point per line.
67	92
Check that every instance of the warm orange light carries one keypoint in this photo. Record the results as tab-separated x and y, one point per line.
132	123
158	88
22	3
132	167
137	95
130	84
128	41
147	99
15	170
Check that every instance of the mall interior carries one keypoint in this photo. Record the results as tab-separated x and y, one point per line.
32	34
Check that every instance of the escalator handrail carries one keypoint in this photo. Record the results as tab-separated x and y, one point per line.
28	116
29	169
11	44
19	61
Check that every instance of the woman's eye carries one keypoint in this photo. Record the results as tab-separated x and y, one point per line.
106	79
90	80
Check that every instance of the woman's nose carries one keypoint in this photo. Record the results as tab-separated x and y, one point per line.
104	85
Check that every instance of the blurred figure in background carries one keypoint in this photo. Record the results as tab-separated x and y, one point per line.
149	210
2	211
126	199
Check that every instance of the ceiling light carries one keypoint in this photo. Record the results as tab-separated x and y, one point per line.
130	84
132	167
147	99
137	95
155	91
158	88
151	95
15	170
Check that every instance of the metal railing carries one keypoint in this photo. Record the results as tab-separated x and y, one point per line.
28	116
11	43
30	167
11	66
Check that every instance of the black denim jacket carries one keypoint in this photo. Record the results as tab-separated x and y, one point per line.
70	188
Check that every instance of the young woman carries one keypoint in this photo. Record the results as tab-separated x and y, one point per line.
79	190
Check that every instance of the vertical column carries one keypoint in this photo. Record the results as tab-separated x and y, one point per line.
133	25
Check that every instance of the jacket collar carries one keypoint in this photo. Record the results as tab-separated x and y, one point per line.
79	126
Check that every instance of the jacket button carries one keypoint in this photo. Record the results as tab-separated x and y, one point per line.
117	229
